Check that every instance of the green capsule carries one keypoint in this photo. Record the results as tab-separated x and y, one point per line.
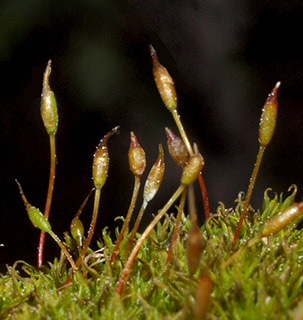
37	219
268	118
192	169
77	230
101	160
35	215
49	112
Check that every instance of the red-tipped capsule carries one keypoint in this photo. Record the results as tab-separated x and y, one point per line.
164	82
136	156
176	148
155	177
49	112
101	160
192	169
268	118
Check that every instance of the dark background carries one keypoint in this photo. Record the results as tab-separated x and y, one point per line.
225	57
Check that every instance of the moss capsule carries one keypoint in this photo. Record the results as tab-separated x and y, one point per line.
176	148
164	82
155	177
136	156
268	118
192	169
101	160
77	230
49	112
281	220
37	219
35	215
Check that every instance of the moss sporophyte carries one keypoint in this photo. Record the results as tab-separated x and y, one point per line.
240	264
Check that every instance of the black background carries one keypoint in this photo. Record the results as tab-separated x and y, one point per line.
225	57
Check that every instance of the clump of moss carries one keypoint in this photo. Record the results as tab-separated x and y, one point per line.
241	263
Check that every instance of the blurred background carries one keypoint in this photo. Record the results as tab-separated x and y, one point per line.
225	58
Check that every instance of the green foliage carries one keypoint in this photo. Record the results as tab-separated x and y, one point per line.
265	282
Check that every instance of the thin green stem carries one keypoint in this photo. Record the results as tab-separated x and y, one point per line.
182	132
91	227
250	190
135	228
177	226
63	248
128	217
145	234
191	152
49	196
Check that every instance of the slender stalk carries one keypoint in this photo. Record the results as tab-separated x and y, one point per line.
128	217
250	190
49	197
91	227
83	204
136	226
63	248
204	196
182	132
266	131
177	227
191	152
145	234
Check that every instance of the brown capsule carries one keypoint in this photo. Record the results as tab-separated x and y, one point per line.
164	82
192	169
176	148
49	112
202	297
136	156
101	160
194	248
281	220
268	118
155	177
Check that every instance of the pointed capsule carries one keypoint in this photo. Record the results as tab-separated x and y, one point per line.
35	215
136	156
49	112
176	148
268	118
194	248
101	160
164	82
77	231
281	220
155	177
192	169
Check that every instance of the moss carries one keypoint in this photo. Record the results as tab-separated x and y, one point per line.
247	276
